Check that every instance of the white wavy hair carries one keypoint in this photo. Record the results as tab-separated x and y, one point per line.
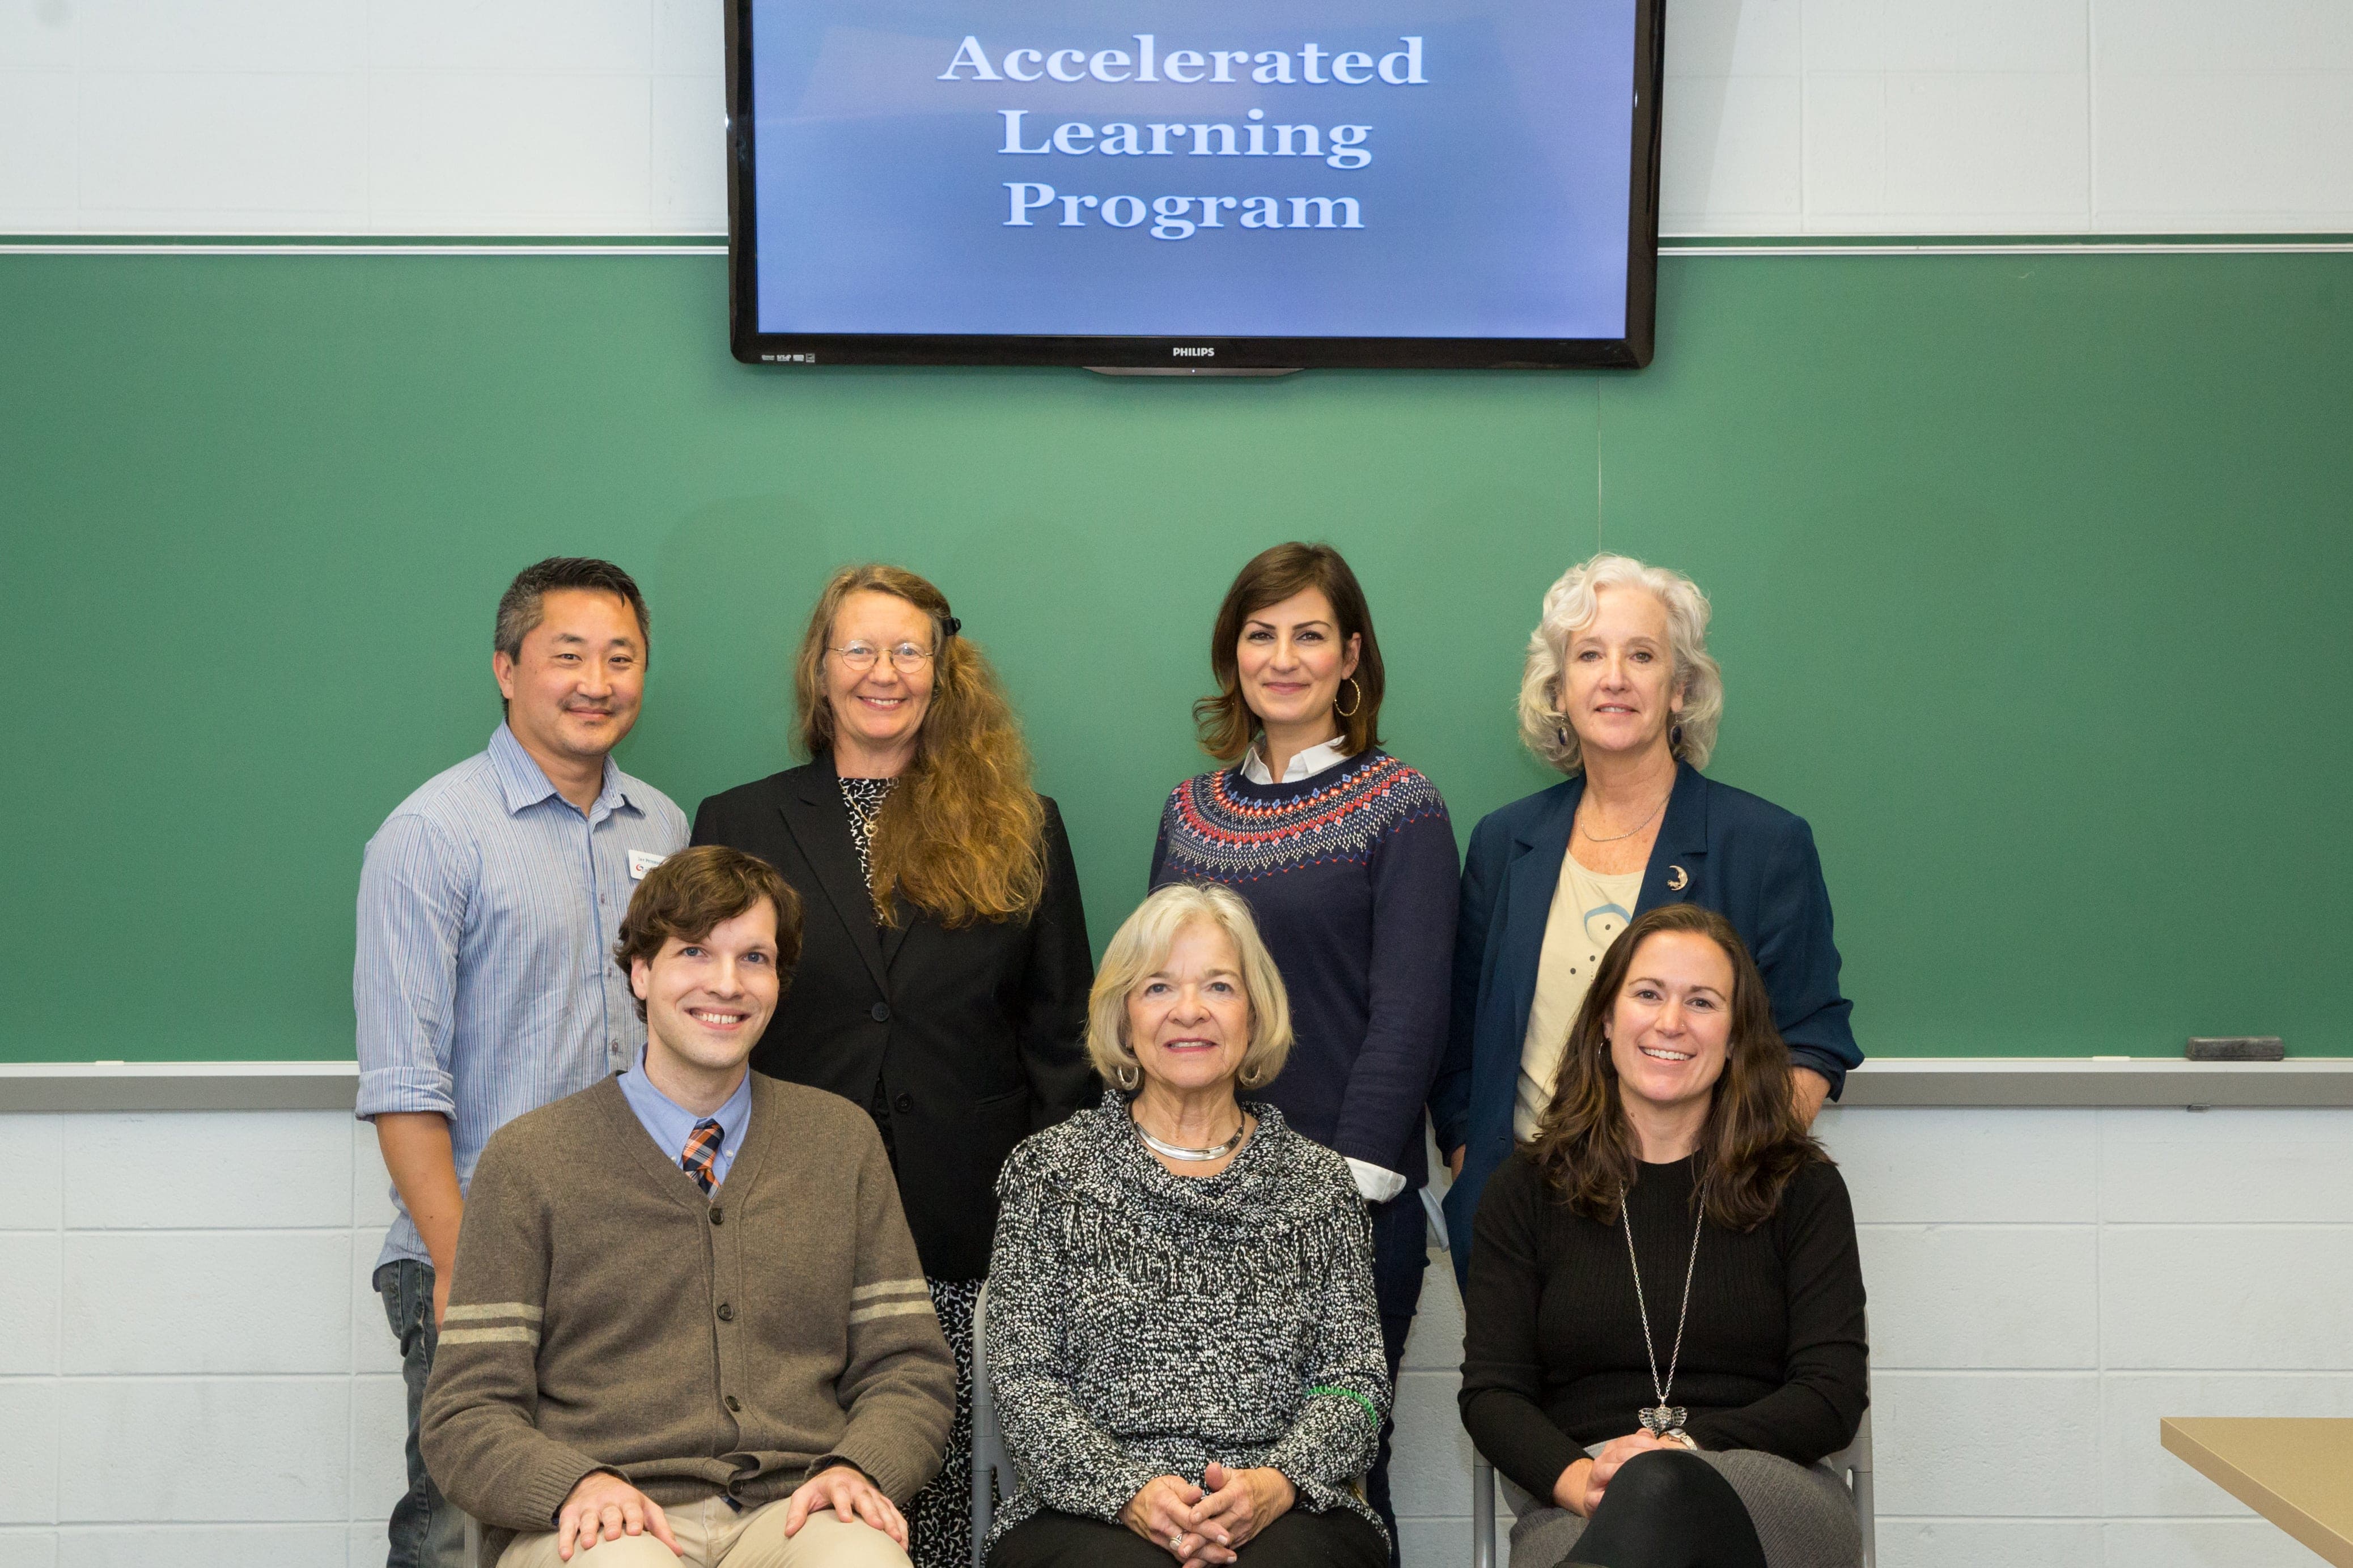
1570	606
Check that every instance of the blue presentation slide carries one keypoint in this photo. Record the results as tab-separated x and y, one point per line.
1281	168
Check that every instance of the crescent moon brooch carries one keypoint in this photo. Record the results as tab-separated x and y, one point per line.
1677	878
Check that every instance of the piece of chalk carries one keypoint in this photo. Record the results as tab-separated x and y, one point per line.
2112	1059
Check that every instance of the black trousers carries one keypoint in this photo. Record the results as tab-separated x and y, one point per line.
1400	1253
1669	1511
1334	1539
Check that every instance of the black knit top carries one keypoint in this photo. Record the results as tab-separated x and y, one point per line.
1773	1353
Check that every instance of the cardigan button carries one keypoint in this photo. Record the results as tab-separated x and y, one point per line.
726	1313
881	1012
716	1213
905	1105
734	1405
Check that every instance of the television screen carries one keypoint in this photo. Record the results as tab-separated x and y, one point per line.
1217	186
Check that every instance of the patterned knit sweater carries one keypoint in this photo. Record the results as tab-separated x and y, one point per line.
1352	876
1142	1324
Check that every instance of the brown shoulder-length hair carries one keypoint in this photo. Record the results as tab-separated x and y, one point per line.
963	837
1753	1142
1226	723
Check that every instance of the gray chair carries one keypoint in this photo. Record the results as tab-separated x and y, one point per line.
1852	1463
992	1471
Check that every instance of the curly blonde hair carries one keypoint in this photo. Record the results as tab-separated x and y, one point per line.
1570	606
963	837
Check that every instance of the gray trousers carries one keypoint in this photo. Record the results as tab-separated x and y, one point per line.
1804	1516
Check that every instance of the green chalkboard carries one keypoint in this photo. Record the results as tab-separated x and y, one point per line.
2030	575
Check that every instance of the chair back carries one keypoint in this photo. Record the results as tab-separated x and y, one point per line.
991	1470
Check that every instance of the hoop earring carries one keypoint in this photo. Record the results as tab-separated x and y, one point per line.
1359	691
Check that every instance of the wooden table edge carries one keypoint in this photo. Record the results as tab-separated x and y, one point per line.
2302	1527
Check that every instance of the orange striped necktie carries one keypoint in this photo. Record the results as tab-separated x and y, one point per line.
702	1148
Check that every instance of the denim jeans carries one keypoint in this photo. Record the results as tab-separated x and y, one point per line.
425	1530
1400	1253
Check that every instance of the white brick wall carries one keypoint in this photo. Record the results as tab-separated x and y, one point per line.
193	1369
604	116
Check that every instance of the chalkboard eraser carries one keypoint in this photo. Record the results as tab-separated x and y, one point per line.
2235	1048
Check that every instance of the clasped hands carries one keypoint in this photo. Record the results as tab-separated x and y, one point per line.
603	1507
1203	1526
1580	1486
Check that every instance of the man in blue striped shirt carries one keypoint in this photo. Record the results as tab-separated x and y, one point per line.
490	901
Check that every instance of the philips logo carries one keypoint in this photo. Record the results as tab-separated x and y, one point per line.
1194	353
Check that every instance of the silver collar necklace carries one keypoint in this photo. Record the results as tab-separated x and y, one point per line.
1663	1419
1194	1156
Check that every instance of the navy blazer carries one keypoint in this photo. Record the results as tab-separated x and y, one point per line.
1719	847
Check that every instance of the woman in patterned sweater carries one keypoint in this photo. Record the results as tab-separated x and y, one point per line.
1347	860
1181	1328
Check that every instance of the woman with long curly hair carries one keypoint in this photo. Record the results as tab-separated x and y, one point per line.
944	967
1664	1329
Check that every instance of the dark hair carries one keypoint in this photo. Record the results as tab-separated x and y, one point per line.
1226	723
1753	1142
521	606
696	890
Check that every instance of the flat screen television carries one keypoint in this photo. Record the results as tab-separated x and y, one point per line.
1223	185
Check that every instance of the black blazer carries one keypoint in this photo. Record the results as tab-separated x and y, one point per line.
961	1042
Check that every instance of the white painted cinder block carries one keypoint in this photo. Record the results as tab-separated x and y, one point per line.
1731	155
2224	150
220	150
212	36
215	1301
251	1170
373	1350
1972	1296
1429	1472
2190	37
1987	1542
28	1451
482	153
29	1272
39	177
2225	1166
1989	1168
379	1437
1936	36
28	1548
1436	1342
688	160
1986	1444
1735	38
229	1450
592	36
2199	1543
32	1166
207	1546
2215	1297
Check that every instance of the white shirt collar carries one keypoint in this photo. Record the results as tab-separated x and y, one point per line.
1305	765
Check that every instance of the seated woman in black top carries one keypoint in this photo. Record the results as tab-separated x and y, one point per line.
1664	1321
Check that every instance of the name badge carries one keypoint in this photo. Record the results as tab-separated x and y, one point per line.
642	861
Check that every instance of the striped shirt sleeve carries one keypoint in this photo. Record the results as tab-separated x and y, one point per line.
412	918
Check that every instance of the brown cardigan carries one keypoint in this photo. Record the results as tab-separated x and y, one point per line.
604	1314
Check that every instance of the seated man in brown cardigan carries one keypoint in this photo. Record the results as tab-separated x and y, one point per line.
688	1321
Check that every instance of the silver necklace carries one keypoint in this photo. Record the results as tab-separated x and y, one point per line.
1197	1156
1663	1419
1638	828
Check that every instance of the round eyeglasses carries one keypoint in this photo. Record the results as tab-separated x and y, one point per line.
859	657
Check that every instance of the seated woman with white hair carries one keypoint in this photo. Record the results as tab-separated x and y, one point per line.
1182	1334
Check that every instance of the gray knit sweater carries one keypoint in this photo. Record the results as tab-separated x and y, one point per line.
1142	1324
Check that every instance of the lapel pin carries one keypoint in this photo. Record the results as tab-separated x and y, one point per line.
1677	878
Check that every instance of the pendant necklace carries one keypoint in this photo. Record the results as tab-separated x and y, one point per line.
1194	1156
1664	1420
1591	838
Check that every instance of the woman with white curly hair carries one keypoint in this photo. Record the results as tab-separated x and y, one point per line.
1619	694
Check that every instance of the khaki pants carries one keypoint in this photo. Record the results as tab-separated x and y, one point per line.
714	1535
